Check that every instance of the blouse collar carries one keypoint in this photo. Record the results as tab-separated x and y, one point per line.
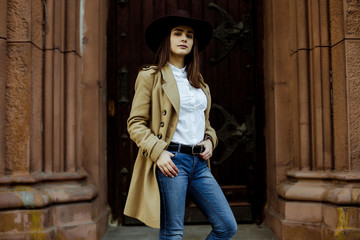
178	72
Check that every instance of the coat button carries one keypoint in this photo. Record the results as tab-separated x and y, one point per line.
162	124
164	112
159	136
145	154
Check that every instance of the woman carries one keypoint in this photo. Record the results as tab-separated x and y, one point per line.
169	121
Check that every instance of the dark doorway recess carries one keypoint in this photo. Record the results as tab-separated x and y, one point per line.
232	67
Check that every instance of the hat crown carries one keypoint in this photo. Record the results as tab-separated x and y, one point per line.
182	13
160	27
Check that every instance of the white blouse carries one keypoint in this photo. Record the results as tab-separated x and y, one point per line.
191	126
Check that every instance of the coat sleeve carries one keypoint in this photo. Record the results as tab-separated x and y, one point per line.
140	114
208	129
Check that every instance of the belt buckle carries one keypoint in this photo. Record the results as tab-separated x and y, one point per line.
193	147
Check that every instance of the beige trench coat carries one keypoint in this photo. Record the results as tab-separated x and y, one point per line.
151	125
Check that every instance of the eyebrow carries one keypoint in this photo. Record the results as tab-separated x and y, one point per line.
181	30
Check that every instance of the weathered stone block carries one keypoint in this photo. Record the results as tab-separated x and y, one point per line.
314	24
318	24
336	10
346	95
58	25
303	212
352	18
2	103
353	79
48	109
70	119
36	133
71	27
340	106
347	218
330	215
70	214
13	223
3	16
17	107
19	20
344	20
83	232
302	25
58	111
78	36
293	27
301	231
44	223
36	220
49	33
37	19
324	23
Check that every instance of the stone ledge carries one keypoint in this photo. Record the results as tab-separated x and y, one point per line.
42	195
337	188
345	176
41	177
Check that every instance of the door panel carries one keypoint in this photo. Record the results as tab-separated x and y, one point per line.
231	66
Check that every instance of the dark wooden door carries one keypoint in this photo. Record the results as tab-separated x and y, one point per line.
232	67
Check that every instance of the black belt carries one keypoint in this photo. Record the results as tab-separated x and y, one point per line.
188	149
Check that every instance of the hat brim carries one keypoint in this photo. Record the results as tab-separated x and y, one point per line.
161	27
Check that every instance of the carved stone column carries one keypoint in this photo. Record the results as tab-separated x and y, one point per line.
319	197
43	185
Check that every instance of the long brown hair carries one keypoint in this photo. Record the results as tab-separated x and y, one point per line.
192	61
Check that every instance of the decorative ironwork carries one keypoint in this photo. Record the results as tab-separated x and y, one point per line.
123	97
229	33
232	134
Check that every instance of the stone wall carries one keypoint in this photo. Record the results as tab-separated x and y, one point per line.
52	127
312	77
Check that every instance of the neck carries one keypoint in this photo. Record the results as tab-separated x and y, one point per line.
177	61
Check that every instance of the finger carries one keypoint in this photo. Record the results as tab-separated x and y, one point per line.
174	166
204	154
172	171
163	172
207	156
168	172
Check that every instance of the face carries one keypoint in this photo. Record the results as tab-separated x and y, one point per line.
181	40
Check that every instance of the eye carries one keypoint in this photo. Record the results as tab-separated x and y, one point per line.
189	36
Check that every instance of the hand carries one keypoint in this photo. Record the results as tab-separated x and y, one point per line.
166	165
206	155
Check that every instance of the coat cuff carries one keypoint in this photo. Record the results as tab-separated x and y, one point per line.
157	149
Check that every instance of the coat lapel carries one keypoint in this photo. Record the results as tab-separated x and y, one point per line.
207	94
170	87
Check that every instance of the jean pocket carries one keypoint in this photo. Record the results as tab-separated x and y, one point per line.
173	152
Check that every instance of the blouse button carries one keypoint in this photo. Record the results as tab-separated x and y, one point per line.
159	136
164	112
162	124
145	154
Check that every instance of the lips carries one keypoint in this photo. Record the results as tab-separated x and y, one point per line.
182	46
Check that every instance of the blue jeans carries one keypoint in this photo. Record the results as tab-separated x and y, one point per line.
194	178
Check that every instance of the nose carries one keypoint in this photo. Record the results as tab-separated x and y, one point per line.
184	39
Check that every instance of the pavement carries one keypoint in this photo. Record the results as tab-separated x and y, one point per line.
191	232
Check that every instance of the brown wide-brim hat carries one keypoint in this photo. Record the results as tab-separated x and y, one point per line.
161	27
